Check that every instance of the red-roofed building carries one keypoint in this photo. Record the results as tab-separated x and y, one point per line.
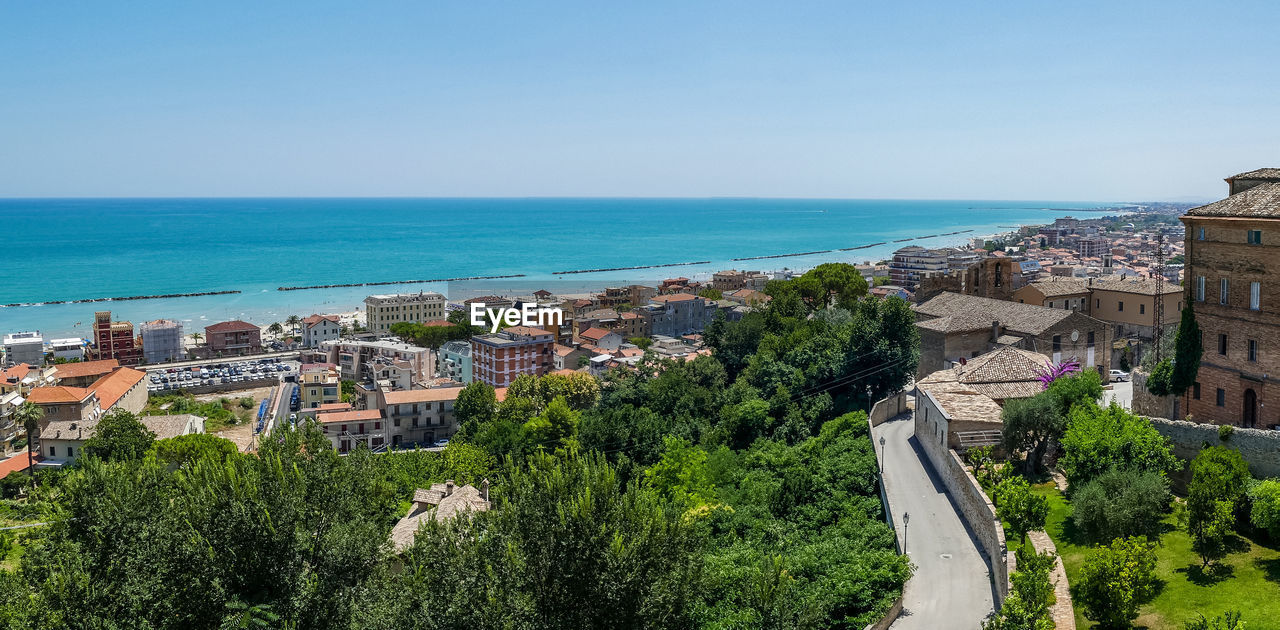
114	340
232	338
498	358
348	429
318	328
85	373
418	416
601	338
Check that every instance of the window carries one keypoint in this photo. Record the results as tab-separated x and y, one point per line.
1202	234
52	451
1057	343
1253	349
1195	391
1121	306
1097	303
71	451
1222	344
1223	287
1222	397
1199	288
1090	341
1255	237
1142	309
1255	295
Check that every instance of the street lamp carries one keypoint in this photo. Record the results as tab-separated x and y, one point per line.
882	454
906	518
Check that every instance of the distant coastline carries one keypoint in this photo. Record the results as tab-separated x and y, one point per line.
243	254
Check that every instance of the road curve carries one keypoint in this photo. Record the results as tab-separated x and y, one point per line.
951	587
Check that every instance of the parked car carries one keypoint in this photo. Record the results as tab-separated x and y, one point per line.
1119	375
441	443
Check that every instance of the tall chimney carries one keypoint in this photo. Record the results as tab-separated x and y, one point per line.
484	489
448	487
995	331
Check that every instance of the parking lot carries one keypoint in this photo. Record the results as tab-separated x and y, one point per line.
252	373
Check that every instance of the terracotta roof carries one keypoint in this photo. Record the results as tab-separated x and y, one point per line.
85	368
1261	202
965	405
486	299
58	394
113	386
15	373
234	325
1023	318
328	407
17	463
316	319
594	334
565	371
349	416
437	323
435	394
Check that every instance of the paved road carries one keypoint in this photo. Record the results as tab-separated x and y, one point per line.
1121	392
951	587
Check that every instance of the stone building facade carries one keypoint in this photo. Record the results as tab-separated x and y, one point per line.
1232	266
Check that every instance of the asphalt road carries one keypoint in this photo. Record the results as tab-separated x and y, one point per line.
1121	392
951	586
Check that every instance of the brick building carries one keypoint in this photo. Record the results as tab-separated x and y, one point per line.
954	326
233	338
1232	261
114	340
498	358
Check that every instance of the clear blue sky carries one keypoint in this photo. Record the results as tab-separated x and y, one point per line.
1017	100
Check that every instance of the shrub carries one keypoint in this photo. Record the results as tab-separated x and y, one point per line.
1264	497
1020	508
1219	477
1115	580
1229	620
1161	375
1027	606
1225	431
1121	503
1100	439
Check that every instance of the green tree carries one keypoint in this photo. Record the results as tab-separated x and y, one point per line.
1264	501
681	474
1159	382
1219	478
880	281
711	294
119	436
1027	606
1121	503
1020	508
475	406
557	425
275	328
184	450
1029	425
29	416
1100	439
1229	620
1115	580
1187	351
641	342
348	390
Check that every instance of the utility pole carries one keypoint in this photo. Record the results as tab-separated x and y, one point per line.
1158	332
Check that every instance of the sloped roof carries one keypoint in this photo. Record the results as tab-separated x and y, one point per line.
1259	173
1058	287
313	320
57	394
113	386
435	394
965	405
595	334
231	326
1140	286
85	368
1006	372
349	416
15	373
1260	202
1023	318
167	426
673	297
462	500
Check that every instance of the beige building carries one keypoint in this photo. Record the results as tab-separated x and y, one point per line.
419	416
347	428
319	384
381	311
62	441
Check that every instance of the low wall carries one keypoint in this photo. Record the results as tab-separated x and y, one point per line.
1259	447
1147	404
1063	611
889	617
888	408
975	508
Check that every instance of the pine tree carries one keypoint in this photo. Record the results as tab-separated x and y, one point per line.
1187	349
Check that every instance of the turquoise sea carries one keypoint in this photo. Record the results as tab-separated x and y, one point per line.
68	249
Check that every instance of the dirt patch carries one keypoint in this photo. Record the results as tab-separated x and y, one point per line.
242	435
258	393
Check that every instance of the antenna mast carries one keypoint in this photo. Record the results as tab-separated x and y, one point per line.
1158	333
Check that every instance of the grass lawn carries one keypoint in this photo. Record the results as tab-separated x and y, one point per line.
1249	580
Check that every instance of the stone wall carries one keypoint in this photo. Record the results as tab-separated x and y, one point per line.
1259	447
975	508
888	408
1063	611
894	611
1147	404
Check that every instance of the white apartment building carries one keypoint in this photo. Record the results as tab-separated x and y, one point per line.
381	311
320	328
354	356
71	348
24	347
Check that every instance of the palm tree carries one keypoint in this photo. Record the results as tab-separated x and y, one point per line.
275	328
293	321
197	337
29	415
